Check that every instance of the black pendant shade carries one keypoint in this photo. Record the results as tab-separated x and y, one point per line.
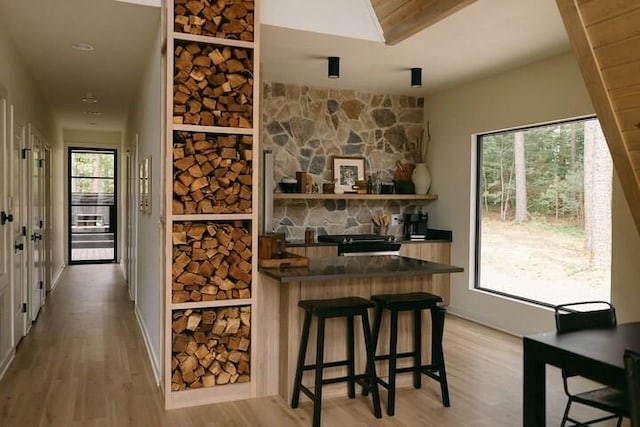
416	77
334	67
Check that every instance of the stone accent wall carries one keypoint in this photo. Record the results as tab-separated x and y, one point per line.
305	126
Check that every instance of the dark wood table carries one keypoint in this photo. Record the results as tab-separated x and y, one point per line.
595	354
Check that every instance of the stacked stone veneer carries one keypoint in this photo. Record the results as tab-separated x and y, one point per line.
305	127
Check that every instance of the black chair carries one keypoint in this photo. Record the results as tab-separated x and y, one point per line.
347	307
590	315
414	302
632	367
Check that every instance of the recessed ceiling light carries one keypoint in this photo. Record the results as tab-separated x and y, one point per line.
89	99
92	123
85	47
92	113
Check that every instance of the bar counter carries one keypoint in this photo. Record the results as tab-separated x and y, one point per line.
358	267
281	289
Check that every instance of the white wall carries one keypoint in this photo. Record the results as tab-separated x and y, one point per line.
625	269
146	121
544	91
23	91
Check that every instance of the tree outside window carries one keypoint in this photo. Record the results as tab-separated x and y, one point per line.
544	213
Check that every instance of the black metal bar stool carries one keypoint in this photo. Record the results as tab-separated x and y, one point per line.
415	302
348	307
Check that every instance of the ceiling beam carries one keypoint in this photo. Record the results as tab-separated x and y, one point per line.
607	88
400	19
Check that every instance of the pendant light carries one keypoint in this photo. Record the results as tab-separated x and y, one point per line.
416	77
334	67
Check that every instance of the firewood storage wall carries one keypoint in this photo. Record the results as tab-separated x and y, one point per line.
210	204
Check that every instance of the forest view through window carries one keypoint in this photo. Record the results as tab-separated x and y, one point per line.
544	213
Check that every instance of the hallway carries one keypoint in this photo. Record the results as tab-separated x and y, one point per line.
84	364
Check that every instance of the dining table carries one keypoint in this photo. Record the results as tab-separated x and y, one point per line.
596	354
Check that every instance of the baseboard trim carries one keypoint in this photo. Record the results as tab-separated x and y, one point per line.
4	365
56	279
147	343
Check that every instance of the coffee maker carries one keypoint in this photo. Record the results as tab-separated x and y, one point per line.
415	225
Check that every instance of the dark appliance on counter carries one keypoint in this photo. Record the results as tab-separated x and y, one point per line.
362	244
415	225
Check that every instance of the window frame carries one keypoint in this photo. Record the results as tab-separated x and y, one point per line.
478	205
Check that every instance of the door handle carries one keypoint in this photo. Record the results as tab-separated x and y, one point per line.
18	247
4	218
36	236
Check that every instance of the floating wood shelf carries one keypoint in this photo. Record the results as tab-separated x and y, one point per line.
214	40
210	304
349	196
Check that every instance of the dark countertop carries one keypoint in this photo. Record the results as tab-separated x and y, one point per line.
433	236
354	267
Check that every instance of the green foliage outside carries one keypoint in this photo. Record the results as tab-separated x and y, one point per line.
86	166
554	173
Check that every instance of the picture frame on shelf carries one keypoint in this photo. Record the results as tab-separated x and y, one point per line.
347	171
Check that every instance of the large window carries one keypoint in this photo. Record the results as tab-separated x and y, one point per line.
544	213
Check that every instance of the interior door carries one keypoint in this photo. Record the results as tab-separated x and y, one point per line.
19	230
5	226
35	265
43	165
132	218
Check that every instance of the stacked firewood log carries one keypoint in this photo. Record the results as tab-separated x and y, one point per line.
211	261
213	85
227	19
211	173
210	347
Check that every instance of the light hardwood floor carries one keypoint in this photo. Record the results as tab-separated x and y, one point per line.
84	364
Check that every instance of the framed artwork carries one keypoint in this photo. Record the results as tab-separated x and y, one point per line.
144	181
347	171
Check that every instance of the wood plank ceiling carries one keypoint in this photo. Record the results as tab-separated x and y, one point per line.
400	19
605	36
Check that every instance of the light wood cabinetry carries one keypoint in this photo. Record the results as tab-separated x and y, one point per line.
439	252
314	251
210	201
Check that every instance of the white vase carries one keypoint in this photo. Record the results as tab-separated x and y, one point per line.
421	178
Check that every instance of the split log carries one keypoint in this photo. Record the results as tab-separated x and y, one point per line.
228	19
208	356
211	261
213	85
211	173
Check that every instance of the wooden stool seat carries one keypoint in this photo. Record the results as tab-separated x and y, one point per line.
337	307
347	307
408	301
415	302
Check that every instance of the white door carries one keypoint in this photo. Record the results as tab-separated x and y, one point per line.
45	263
132	218
17	192
5	250
36	296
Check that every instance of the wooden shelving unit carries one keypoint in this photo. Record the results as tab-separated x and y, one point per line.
352	196
210	248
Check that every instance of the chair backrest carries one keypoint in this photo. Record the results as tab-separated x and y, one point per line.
632	367
584	315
